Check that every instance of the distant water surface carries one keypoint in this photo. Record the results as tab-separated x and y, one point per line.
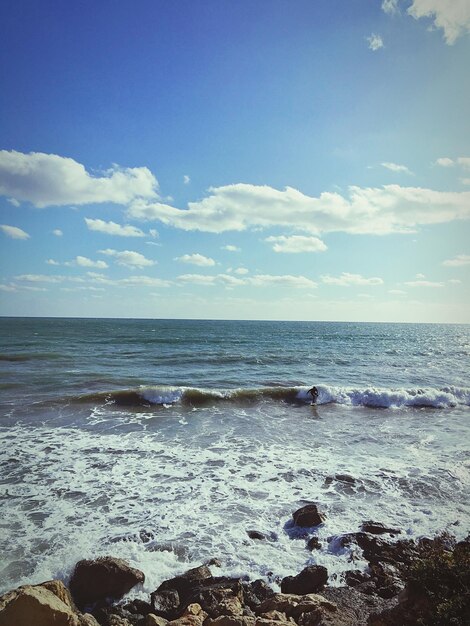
165	441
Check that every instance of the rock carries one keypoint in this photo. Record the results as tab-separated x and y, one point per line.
165	603
106	577
154	620
187	582
256	534
228	620
308	515
377	528
291	604
275	616
138	607
310	580
39	605
256	592
354	609
355	577
378	550
313	544
217	601
214	562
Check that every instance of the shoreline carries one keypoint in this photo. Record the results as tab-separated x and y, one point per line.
405	581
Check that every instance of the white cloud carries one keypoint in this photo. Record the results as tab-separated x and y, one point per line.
397	292
465	181
57	232
375	42
453	16
186	179
83	261
455	281
8	288
39	278
444	162
423	283
230	248
395	167
464	162
296	244
52	180
458	261
369	210
390	6
153	232
196	259
241	271
13	202
143	281
52	262
128	258
420	276
111	228
346	280
14	232
260	280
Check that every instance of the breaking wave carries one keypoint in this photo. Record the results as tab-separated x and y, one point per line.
445	397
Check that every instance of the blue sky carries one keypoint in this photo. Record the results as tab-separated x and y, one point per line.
268	159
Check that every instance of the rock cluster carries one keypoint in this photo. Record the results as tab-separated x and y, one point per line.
375	597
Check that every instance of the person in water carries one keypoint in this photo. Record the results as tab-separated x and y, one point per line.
314	393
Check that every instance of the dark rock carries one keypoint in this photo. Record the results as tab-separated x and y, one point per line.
256	592
378	550
355	577
377	528
313	543
345	478
106	577
218	596
165	603
214	562
186	584
255	534
116	616
138	607
310	580
356	607
308	515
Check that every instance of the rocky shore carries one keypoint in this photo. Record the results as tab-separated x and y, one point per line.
406	583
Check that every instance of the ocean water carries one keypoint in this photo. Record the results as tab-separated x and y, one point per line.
164	442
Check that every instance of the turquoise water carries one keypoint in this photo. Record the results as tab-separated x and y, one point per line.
197	431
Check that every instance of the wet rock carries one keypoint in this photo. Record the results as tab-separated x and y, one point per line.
256	534
310	580
313	544
377	528
214	562
256	592
106	577
165	603
41	605
308	515
345	478
187	582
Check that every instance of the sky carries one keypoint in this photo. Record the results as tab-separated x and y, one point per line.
249	159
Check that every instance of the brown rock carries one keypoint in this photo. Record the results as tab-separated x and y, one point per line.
229	620
256	592
35	605
103	578
310	580
293	605
308	515
187	582
275	616
165	603
155	620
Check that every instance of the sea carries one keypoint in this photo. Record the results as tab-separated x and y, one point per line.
168	442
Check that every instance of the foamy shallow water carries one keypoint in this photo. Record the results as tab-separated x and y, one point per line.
169	489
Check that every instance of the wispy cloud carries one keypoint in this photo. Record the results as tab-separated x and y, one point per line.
128	258
458	261
196	259
186	179
14	232
347	280
57	232
259	280
423	283
52	180
111	228
230	248
395	167
296	244
390	6
375	42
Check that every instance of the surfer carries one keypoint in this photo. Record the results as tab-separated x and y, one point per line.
314	393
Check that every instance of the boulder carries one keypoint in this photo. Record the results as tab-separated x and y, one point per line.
256	592
106	577
308	515
256	534
293	605
229	620
377	528
313	543
154	620
187	582
165	603
39	605
310	580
